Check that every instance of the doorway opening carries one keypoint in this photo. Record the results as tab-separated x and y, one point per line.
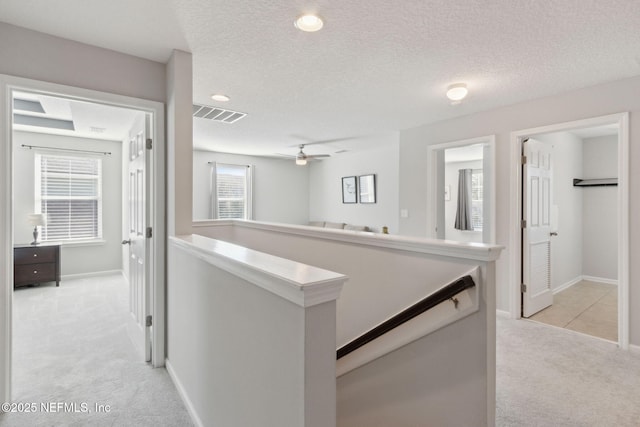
80	202
572	227
461	191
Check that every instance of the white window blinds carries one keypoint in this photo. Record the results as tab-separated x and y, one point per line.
232	191
476	199
68	193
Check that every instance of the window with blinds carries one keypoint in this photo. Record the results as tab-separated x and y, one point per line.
233	189
476	199
69	194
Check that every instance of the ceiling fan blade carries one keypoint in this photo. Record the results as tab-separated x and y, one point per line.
325	141
317	156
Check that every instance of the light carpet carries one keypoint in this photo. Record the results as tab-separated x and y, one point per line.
71	346
547	376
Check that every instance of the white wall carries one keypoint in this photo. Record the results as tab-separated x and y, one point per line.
179	143
418	384
600	219
280	188
567	246
451	206
325	189
39	56
605	99
74	259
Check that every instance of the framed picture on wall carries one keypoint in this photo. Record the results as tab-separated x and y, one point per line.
349	189
367	185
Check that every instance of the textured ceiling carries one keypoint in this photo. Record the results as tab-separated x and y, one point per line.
377	66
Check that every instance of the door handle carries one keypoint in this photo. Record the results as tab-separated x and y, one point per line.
553	233
126	242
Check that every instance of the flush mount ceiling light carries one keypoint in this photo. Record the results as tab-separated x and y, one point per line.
457	91
220	97
309	23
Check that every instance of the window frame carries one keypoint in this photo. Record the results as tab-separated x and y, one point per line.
248	190
39	198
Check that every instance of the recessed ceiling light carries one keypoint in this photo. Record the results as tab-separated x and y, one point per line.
309	23
457	91
220	97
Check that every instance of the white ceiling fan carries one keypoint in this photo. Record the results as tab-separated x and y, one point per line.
302	157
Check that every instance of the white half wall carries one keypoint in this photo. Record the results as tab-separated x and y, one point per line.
280	188
83	259
325	188
387	274
600	219
567	246
251	336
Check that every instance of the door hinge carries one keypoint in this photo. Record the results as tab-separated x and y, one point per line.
523	287
523	223
149	233
149	143
148	321
523	159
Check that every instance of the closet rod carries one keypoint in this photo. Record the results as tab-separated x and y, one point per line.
104	153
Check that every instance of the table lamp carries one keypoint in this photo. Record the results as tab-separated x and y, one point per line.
36	220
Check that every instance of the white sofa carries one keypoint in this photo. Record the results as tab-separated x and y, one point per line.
339	225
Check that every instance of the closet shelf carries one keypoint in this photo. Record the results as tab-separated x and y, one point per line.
600	182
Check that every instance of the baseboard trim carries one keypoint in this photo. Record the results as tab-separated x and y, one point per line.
634	348
503	313
92	274
183	394
600	280
568	284
578	279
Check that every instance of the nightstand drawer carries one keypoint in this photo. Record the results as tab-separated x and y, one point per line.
35	255
35	273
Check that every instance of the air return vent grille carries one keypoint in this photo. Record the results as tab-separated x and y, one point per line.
216	114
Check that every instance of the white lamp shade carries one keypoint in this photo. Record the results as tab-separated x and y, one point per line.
37	219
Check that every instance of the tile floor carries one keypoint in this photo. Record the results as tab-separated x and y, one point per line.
587	307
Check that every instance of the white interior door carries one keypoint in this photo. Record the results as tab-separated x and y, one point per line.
139	215
536	239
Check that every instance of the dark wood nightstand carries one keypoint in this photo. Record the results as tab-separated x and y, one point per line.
36	264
